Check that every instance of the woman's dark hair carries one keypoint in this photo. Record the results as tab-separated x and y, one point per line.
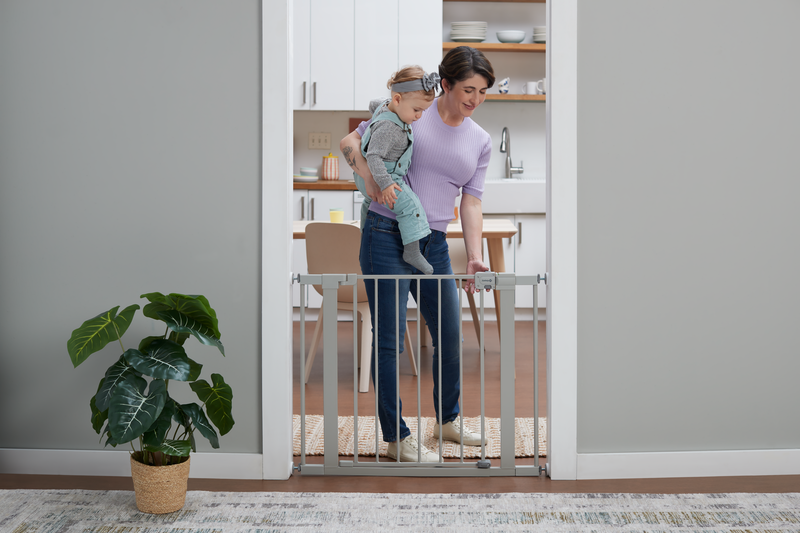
464	62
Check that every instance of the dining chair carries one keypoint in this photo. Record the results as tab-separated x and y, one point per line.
333	248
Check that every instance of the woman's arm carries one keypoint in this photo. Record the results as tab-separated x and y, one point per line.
351	149
472	225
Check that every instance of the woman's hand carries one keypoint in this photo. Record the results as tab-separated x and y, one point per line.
388	196
473	267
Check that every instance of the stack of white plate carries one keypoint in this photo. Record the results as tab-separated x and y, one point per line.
468	32
540	34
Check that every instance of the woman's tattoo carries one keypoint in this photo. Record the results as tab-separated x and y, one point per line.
347	157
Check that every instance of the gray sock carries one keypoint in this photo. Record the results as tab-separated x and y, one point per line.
413	257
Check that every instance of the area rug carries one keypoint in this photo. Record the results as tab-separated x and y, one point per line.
73	511
523	441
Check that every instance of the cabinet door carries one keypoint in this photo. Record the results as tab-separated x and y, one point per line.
376	43
301	80
420	34
321	202
332	48
530	256
299	262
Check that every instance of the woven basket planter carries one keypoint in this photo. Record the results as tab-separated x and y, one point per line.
160	489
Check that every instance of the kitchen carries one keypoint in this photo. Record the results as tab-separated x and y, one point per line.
320	27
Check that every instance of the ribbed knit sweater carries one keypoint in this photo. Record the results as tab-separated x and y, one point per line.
446	159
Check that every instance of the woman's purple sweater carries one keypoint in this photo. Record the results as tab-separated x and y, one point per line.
445	159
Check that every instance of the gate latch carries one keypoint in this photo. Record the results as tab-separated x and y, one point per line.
485	280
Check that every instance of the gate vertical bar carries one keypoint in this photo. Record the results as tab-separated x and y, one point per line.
536	373
330	369
302	375
505	287
356	358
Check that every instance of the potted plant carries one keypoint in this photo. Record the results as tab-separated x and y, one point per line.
132	403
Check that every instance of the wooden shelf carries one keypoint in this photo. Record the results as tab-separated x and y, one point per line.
327	185
500	47
517	97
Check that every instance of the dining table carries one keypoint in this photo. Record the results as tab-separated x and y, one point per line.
494	231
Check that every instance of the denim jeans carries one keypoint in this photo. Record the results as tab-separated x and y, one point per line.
382	253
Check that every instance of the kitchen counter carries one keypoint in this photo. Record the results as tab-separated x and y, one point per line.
327	185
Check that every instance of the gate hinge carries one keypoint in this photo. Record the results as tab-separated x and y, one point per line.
543	278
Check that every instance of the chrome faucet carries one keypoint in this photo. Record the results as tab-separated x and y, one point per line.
505	147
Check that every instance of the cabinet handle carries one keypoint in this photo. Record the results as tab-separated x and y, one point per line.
312	209
519	233
303	208
314	101
304	93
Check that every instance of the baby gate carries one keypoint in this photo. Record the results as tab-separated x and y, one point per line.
504	285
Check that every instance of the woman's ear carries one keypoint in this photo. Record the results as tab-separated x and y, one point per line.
445	86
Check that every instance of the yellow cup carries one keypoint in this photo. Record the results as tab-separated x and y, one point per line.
337	215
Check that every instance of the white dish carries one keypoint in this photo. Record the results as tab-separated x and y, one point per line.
540	39
468	40
510	36
540	29
306	179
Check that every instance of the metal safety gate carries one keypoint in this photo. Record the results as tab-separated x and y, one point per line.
504	285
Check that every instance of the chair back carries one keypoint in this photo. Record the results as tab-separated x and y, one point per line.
333	248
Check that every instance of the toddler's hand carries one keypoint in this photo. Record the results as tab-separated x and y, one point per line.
388	196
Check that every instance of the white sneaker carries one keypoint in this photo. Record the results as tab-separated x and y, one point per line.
452	432
408	451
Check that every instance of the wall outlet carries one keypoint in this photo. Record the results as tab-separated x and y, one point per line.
319	141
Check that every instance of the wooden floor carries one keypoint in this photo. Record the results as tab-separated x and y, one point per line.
524	408
523	340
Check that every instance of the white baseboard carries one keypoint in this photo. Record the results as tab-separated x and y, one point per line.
117	463
688	464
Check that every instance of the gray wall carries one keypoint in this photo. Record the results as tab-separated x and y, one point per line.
129	163
688	225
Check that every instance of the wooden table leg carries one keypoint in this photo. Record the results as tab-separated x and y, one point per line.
497	263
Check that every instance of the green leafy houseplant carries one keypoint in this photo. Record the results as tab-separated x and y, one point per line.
123	412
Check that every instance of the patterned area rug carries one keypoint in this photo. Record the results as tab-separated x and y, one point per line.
72	511
524	437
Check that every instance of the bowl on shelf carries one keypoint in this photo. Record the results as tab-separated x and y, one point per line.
308	171
510	36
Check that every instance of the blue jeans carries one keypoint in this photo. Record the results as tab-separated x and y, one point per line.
382	253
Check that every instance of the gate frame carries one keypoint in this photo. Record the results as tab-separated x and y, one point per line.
505	284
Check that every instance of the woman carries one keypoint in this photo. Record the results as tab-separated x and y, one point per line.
451	154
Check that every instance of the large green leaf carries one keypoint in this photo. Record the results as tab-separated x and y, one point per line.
98	416
218	400
176	448
193	306
115	373
97	332
158	431
164	360
130	412
181	323
200	421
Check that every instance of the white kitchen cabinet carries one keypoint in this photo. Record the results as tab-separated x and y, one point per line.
346	50
525	255
530	256
376	49
324	45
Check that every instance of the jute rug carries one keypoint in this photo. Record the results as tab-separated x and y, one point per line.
523	441
74	511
